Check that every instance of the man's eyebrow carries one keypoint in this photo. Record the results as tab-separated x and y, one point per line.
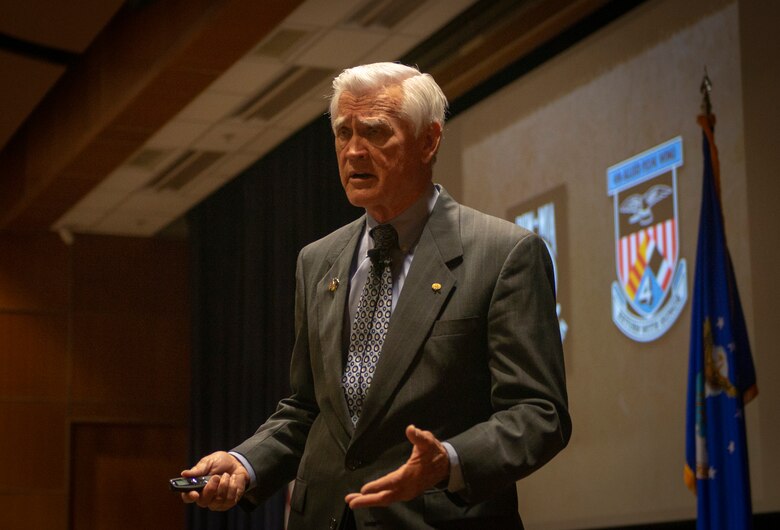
374	122
365	122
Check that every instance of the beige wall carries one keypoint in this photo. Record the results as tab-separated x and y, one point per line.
626	89
760	40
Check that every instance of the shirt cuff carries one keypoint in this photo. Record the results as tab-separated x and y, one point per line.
248	466
456	482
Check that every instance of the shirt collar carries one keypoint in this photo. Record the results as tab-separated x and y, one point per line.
409	223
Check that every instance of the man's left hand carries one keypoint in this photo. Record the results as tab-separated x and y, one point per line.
429	465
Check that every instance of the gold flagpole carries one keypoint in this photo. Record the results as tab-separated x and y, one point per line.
705	88
707	122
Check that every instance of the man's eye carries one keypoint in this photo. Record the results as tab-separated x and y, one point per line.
377	132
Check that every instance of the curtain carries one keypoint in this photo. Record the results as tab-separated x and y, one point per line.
244	242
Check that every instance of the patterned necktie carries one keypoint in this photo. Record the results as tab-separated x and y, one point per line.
371	321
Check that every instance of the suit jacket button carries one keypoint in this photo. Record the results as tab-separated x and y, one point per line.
332	523
353	464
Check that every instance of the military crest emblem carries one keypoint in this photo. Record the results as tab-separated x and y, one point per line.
651	286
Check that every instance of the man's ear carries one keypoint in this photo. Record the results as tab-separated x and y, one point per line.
430	138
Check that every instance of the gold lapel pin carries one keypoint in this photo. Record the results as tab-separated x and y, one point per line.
333	285
436	287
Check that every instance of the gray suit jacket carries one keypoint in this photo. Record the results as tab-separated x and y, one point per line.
477	361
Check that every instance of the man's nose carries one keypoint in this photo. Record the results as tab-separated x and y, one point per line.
356	148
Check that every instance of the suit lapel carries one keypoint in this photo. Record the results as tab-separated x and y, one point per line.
418	306
330	311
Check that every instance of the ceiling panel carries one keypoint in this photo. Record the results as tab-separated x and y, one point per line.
340	48
266	140
210	107
432	16
394	47
178	133
227	136
246	75
130	223
121	182
57	24
323	12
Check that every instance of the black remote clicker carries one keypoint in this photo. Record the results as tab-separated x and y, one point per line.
189	483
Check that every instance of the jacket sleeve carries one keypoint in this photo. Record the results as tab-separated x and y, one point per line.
530	422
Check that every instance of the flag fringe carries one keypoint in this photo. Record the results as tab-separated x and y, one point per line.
749	394
690	478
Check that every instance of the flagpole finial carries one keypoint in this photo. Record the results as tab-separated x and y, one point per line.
705	88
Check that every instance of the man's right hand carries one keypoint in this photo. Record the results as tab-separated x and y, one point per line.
227	485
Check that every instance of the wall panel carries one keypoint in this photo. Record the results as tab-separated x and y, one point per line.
120	476
128	275
34	445
94	354
34	510
33	273
33	361
105	344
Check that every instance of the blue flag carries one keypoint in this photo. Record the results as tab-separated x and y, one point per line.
721	377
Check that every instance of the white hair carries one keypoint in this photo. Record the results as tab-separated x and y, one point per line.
423	100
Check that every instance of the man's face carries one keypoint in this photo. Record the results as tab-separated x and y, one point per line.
383	166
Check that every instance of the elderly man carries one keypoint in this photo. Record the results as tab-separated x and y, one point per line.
427	374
